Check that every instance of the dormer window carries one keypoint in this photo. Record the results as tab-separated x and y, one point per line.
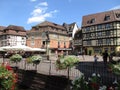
91	21
107	17
117	15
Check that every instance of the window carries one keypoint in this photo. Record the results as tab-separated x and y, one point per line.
4	31
117	15
88	28
107	26
99	27
8	37
92	20
23	38
99	33
43	43
107	33
32	40
89	42
100	41
64	44
8	44
43	35
108	41
58	44
107	17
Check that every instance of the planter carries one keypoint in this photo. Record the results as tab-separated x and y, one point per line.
36	62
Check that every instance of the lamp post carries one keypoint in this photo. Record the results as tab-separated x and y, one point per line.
47	49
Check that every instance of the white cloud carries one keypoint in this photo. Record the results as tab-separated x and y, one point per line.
40	13
33	0
43	4
116	7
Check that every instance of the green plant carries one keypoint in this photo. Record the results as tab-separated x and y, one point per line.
34	59
7	78
66	62
79	83
16	58
115	68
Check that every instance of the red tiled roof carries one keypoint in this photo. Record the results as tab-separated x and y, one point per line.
13	27
47	23
99	17
2	27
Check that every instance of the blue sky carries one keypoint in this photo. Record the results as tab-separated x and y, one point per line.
28	13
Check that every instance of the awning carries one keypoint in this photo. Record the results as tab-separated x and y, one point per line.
65	49
21	47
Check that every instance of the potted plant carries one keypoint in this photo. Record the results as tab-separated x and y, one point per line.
16	58
35	59
66	62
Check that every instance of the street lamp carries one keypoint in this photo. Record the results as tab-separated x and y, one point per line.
47	44
47	49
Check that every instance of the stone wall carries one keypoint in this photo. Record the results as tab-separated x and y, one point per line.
30	80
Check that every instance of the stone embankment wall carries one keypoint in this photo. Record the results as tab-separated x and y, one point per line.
30	80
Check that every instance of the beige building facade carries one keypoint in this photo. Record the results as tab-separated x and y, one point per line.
101	31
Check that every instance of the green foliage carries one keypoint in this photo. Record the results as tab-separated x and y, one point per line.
6	79
16	58
34	59
95	78
79	84
67	61
115	68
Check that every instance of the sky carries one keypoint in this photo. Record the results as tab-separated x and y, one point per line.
28	13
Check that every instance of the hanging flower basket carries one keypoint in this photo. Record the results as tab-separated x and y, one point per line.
65	62
16	58
35	59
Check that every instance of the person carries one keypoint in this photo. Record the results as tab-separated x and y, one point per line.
105	56
95	60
